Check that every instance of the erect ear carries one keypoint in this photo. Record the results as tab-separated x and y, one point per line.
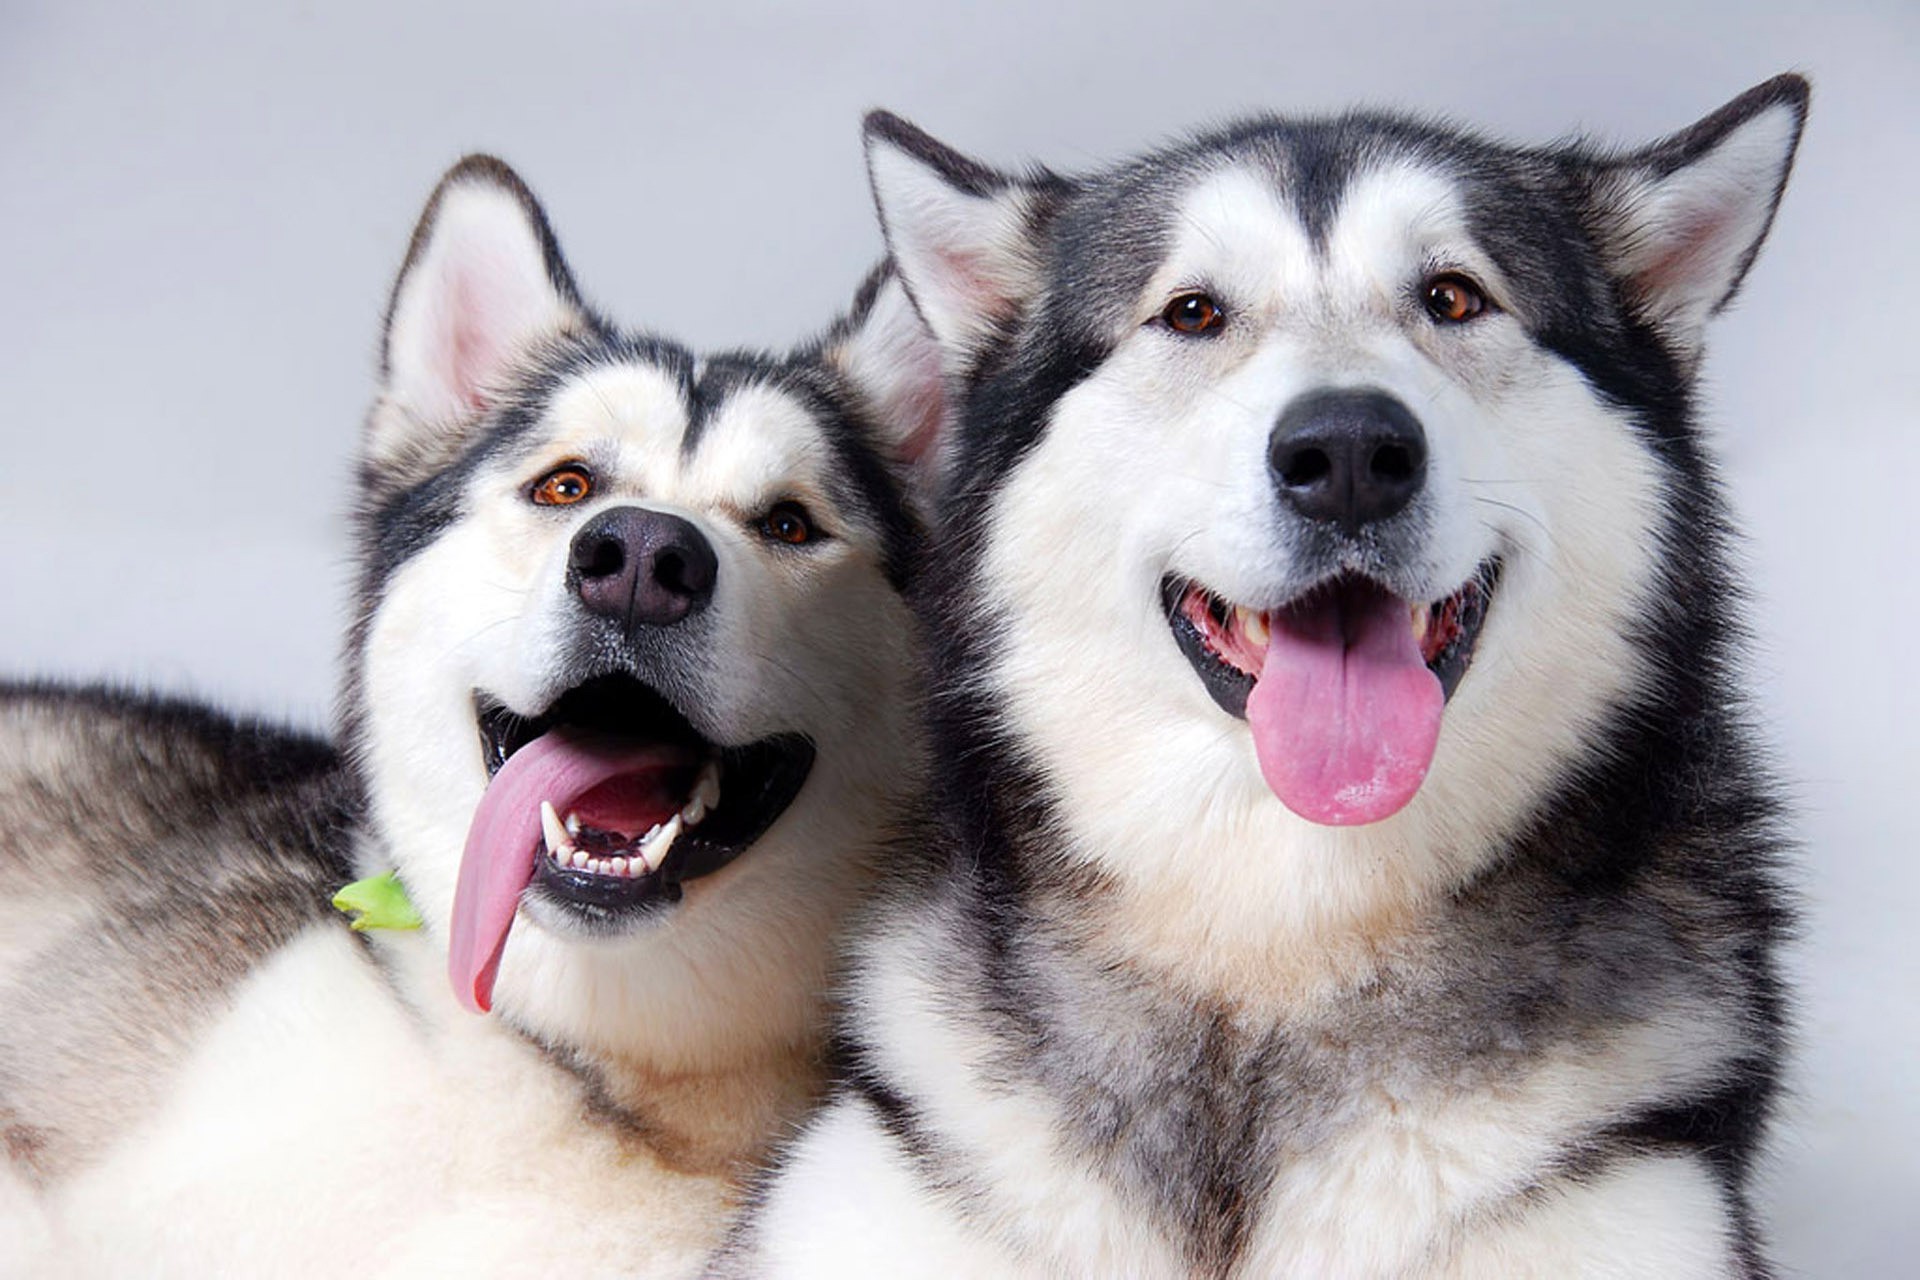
1681	221
960	234
483	282
887	355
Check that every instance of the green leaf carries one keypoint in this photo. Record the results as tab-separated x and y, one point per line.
378	902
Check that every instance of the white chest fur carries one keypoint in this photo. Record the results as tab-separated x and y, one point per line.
322	1129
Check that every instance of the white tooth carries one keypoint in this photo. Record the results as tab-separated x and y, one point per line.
654	848
1254	627
619	866
550	827
707	789
1419	622
696	809
579	860
573	824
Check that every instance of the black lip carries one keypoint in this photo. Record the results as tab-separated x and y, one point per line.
1451	663
1224	682
759	781
1229	686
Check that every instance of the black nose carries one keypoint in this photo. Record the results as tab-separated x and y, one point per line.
1348	457
640	567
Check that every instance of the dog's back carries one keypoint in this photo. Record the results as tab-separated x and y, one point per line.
151	852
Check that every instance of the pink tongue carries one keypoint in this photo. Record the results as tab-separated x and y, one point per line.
1345	713
505	838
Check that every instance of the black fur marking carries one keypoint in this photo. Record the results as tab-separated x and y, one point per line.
961	171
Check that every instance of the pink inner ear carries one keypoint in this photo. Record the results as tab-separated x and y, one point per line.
923	408
472	356
1687	253
969	282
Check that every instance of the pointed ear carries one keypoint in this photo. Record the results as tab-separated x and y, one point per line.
1681	221
886	353
483	282
960	234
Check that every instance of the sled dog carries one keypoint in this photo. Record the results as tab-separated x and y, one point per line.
1351	860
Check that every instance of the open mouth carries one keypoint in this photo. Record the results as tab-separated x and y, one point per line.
603	806
1342	686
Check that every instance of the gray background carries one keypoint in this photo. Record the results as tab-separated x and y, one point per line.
200	209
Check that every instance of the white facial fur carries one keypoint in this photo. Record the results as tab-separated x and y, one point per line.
808	640
1156	464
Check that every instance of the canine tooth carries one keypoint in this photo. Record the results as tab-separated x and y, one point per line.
1420	618
654	847
707	788
550	827
1254	627
696	809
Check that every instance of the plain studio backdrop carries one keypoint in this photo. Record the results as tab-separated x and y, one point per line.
201	209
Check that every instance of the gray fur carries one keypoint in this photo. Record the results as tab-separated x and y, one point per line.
156	852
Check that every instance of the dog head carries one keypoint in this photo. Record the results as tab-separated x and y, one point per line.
633	678
1324	486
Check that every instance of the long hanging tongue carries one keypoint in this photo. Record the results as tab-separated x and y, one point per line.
505	839
1345	713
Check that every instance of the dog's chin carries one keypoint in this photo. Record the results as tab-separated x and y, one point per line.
618	842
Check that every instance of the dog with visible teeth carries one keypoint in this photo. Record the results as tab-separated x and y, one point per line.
628	714
1352	859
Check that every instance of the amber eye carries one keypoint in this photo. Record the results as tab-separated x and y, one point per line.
1193	312
563	486
1453	299
787	522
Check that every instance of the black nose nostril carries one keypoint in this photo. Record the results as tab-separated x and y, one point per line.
1304	467
605	557
670	571
1393	462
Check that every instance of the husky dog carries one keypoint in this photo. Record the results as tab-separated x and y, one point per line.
1352	858
628	709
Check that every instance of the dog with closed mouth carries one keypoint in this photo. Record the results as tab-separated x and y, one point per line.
1352	859
628	715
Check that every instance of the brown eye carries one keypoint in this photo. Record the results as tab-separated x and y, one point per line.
1451	298
787	522
1193	312
563	486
